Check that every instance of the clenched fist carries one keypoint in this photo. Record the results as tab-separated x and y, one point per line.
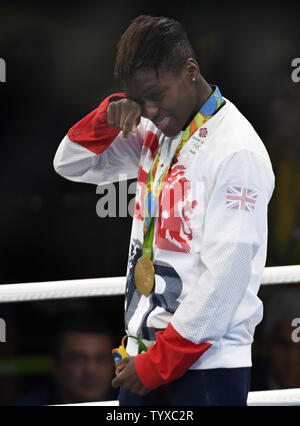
124	114
126	376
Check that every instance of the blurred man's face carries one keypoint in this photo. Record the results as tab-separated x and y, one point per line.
284	356
85	369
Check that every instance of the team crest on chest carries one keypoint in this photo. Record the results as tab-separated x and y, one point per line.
203	132
197	143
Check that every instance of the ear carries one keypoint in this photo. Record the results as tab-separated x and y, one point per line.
191	69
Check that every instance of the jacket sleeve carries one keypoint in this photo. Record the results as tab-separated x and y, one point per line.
232	236
94	152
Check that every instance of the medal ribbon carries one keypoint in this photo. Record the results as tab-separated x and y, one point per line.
153	188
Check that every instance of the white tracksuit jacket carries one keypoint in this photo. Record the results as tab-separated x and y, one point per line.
210	241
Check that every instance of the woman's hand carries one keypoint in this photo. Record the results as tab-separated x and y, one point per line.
124	114
127	378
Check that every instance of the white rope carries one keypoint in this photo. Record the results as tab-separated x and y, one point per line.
111	286
274	397
260	398
62	289
116	286
281	274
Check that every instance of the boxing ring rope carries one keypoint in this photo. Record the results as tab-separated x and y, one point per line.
282	397
115	286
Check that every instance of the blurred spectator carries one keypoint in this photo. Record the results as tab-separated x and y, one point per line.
284	149
82	366
280	367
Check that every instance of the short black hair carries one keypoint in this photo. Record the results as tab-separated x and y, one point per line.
87	325
152	43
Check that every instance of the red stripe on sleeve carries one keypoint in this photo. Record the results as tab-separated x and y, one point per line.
168	359
92	132
151	142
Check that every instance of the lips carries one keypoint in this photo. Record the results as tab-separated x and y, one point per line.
161	124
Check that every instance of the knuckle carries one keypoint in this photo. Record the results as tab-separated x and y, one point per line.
126	108
124	102
110	114
132	105
111	107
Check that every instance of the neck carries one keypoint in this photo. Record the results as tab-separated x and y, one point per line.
203	93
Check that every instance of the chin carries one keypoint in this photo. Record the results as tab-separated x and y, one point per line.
170	133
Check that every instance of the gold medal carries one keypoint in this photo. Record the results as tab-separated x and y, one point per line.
144	275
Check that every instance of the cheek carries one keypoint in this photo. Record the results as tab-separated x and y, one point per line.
105	370
73	371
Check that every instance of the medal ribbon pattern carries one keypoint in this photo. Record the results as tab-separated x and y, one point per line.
153	188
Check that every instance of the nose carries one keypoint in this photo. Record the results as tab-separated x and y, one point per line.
91	367
150	110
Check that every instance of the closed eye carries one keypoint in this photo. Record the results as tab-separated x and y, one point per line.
155	96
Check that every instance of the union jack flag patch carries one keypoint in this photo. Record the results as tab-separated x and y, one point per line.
240	198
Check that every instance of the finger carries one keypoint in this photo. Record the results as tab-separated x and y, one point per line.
115	383
137	122
130	124
120	368
111	114
130	112
120	365
125	115
123	362
127	128
122	380
118	115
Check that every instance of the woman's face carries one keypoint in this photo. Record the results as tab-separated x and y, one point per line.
169	100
